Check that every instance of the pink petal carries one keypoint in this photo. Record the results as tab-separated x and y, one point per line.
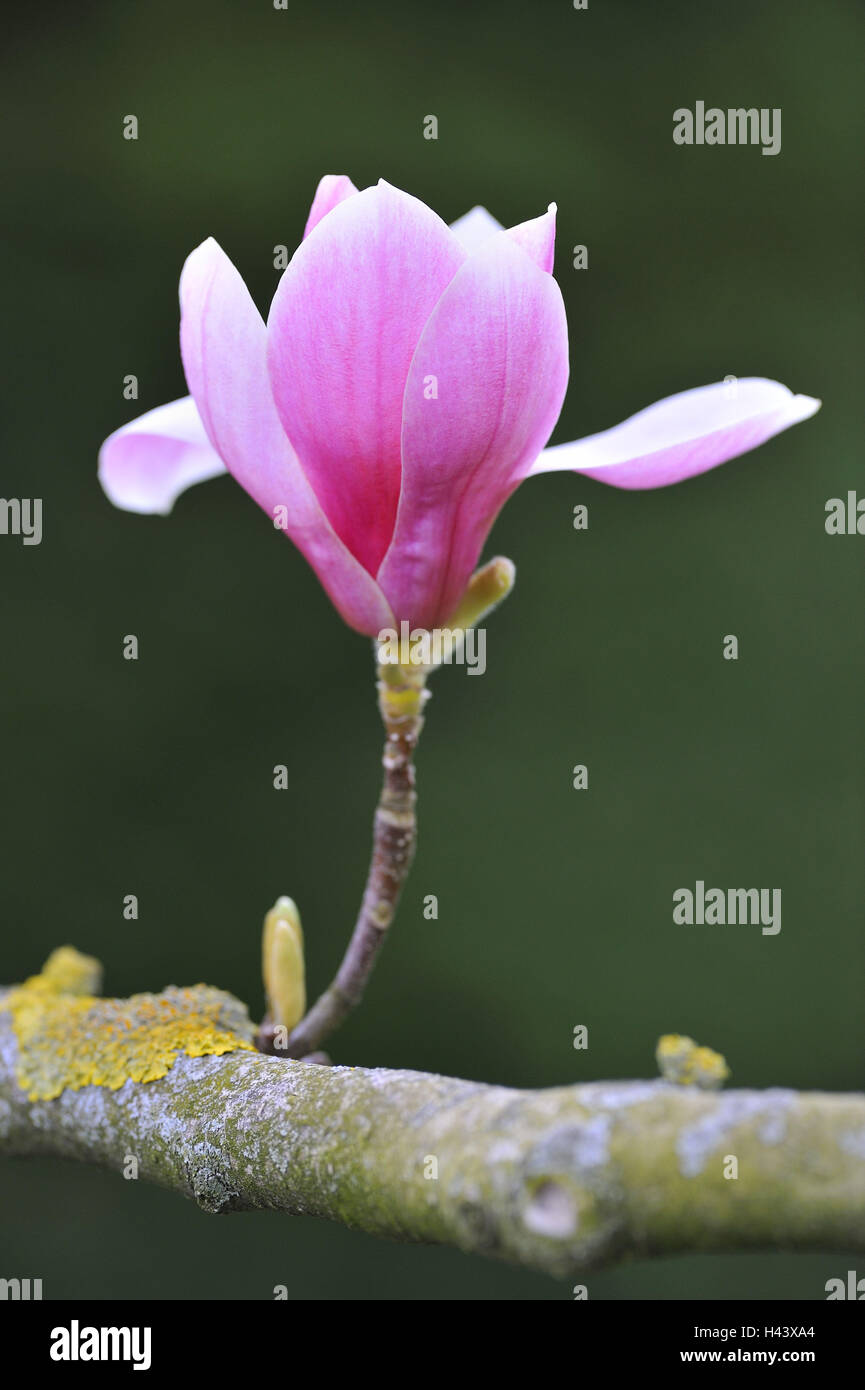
684	434
332	189
224	343
145	465
343	326
497	345
538	238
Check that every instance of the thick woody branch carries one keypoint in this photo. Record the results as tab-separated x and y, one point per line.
564	1180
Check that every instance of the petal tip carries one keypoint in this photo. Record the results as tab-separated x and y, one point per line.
205	247
200	260
808	406
332	190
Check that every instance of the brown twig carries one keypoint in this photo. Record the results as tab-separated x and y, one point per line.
401	697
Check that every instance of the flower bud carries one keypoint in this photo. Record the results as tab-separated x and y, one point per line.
283	964
485	591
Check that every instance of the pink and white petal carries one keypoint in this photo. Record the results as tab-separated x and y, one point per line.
222	342
475	227
145	465
332	190
683	435
344	323
538	238
497	347
224	348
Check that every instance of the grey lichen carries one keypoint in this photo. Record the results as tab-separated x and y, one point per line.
696	1143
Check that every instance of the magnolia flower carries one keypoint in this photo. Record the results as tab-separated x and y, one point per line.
406	382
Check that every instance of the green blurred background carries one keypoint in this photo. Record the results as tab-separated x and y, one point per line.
155	777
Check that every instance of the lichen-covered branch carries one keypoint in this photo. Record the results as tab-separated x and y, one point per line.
563	1180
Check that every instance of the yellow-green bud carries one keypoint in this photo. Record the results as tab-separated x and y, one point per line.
485	591
283	964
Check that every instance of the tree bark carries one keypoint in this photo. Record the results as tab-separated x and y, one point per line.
565	1180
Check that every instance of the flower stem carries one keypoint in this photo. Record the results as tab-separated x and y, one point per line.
401	697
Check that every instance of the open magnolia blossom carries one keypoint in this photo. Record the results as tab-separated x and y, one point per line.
406	382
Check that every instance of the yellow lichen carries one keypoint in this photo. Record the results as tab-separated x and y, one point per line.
681	1060
68	1037
69	972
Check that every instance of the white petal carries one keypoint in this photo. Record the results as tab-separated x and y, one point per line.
683	435
475	227
145	465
